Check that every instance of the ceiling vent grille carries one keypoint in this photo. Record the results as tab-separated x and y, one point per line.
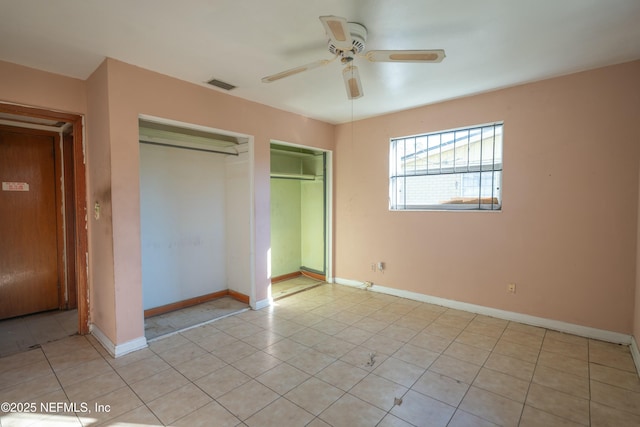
221	84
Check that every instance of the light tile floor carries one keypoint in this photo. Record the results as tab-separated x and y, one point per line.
167	323
21	333
333	356
289	287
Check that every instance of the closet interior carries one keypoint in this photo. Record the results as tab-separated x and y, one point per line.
298	218
195	209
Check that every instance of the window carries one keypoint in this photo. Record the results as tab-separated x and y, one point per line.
458	169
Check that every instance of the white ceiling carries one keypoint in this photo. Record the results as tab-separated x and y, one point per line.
489	44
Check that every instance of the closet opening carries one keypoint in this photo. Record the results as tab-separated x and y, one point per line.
300	219
195	207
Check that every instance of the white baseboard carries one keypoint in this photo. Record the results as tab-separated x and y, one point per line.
357	284
635	352
117	350
556	325
259	305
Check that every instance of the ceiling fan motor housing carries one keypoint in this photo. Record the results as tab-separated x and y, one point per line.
358	38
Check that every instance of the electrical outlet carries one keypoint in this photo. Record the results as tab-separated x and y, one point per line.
380	266
373	266
511	288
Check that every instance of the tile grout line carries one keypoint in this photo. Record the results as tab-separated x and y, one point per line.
127	385
59	382
323	303
457	407
535	368
388	412
476	376
231	390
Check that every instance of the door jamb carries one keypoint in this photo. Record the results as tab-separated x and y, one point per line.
80	207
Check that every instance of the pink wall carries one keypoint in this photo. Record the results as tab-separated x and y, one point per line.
101	276
567	232
111	99
133	91
35	88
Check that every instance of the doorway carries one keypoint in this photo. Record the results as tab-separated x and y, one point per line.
44	235
300	218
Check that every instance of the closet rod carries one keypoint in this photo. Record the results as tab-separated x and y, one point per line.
162	144
295	177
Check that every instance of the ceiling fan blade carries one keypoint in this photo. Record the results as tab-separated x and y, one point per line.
337	31
352	82
293	71
434	55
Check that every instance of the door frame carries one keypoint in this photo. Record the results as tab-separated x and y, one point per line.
79	209
328	208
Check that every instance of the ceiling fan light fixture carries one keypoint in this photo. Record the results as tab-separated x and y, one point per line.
352	83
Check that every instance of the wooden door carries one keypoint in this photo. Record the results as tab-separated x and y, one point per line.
29	270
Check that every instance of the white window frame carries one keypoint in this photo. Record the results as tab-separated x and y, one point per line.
416	164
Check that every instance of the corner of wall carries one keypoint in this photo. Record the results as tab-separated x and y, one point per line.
117	350
259	305
635	353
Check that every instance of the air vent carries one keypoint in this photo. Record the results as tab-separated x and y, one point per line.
221	84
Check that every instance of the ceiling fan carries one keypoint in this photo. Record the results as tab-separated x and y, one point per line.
346	41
